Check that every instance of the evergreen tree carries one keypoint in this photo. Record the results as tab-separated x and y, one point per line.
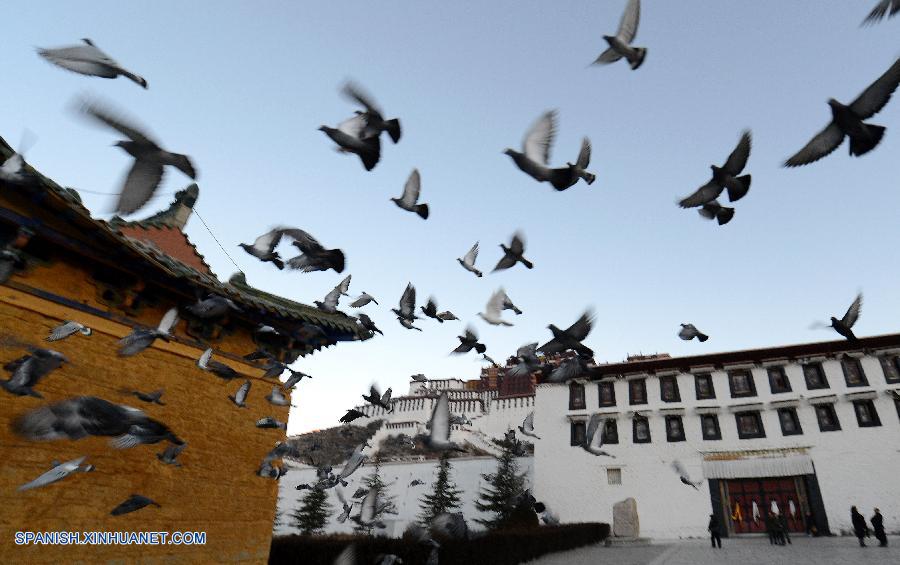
385	503
445	497
312	516
504	487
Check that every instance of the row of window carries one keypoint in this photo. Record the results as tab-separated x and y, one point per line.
740	383
749	424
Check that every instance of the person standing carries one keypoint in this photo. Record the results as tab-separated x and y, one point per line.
859	525
783	529
771	529
714	533
878	526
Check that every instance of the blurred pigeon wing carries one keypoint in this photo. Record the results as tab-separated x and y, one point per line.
592	429
495	304
305	242
168	321
355	92
408	300
411	189
63	330
354	126
630	19
853	312
344	286
517	245
347	557
118	124
580	329
706	193
608	56
268	241
90	68
472	255
440	419
539	138
881	10
142	181
874	98
738	158
679	468
584	155
821	145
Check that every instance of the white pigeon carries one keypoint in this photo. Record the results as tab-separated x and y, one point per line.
330	302
240	397
438	438
141	338
89	60
362	300
277	398
408	201
493	309
594	439
347	508
468	260
527	427
66	329
58	472
620	44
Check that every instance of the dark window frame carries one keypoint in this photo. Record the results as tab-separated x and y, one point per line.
820	372
862	373
573	434
750	383
873	412
670	437
676	397
715	420
643	386
794	418
836	426
634	428
607	437
576	391
892	373
775	371
712	389
611	386
755	414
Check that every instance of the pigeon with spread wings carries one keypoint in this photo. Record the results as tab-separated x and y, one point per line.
620	44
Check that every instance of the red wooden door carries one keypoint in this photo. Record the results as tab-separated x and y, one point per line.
750	500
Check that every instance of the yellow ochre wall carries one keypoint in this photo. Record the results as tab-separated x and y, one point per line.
215	491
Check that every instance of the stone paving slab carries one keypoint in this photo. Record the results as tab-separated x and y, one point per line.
739	551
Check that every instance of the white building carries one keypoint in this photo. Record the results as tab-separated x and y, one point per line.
813	428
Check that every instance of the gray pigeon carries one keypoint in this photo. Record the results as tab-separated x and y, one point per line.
508	304
277	398
27	371
170	453
535	156
149	397
313	256
217	368
330	302
714	211
269	422
468	260
847	121
379	400
366	322
150	159
884	9
141	338
88	60
420	378
135	502
430	309
212	307
469	341
406	314
446	316
438	438
513	254
357	458
689	332
571	338
528	361
620	44
296	377
408	201
844	325
493	309
374	120
363	299
416	482
593	441
348	136
240	397
527	427
263	248
570	368
58	472
346	508
725	177
66	329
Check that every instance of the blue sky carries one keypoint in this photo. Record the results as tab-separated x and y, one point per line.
242	88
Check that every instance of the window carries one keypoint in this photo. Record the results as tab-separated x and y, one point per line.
668	389
891	367
637	391
778	380
749	425
741	383
641	428
853	372
828	420
578	433
674	428
704	385
576	396
866	415
607	394
815	376
610	431
790	424
614	476
709	424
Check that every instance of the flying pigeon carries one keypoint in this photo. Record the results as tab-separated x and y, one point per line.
420	378
884	9
58	472
535	155
351	415
212	307
564	178
240	397
620	44
513	254
848	121
82	416
357	458
313	256
725	177
348	136
411	195
379	400
135	502
269	422
28	370
430	309
528	361
149	397
150	159
571	338
66	329
468	260
367	324
347	508
683	475
438	438
217	368
374	120
527	427
407	312
485	357
468	341
363	299
330	302
369	511
493	309
141	338
360	492
170	453
689	332
296	377
713	210
263	248
416	482
446	316
844	325
508	304
88	60
569	368
277	398
593	441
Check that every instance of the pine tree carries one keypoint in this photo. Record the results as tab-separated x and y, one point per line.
445	497
505	486
312	516
385	504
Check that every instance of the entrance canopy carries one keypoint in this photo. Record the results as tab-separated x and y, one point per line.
745	465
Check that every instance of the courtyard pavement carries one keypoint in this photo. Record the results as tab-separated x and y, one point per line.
803	551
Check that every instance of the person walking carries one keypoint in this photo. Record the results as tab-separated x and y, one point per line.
771	528
783	529
859	525
714	533
878	526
